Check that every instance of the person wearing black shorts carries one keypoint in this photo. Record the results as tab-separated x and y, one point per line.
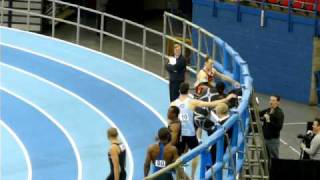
116	156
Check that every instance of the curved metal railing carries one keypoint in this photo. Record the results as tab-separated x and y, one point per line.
233	65
196	43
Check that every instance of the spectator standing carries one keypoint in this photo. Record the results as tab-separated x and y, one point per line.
273	119
314	150
176	68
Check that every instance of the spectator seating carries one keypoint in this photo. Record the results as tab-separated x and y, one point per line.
296	4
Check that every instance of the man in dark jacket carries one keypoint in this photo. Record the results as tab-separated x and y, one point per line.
176	69
272	118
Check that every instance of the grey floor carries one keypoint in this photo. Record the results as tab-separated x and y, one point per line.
296	115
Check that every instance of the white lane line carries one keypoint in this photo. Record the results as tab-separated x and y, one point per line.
95	76
95	109
291	147
55	122
88	49
285	143
0	112
297	123
21	145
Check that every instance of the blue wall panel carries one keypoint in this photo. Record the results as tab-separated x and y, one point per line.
279	61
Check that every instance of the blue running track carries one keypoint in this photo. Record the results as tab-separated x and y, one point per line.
47	146
19	165
61	98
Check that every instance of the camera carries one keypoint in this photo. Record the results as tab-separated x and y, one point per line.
306	139
234	102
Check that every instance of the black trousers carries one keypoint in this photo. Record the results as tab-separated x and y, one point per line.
123	175
213	148
165	176
174	89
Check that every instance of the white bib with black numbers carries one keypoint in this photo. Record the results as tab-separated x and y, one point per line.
160	163
185	117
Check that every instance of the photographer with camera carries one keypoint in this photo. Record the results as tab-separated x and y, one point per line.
272	119
314	150
306	139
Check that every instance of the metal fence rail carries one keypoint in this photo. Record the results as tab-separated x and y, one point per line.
201	44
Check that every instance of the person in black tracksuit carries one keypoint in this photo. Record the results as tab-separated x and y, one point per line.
176	73
116	156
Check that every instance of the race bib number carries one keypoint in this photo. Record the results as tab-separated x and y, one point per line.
183	117
160	163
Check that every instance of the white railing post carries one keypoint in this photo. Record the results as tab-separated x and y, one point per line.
78	24
123	38
144	42
199	50
214	49
53	15
2	12
164	43
184	38
101	32
28	14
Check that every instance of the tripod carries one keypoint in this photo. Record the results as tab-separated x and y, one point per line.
303	155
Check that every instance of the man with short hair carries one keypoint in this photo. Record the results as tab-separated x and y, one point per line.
273	119
314	150
174	125
161	155
208	75
176	70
